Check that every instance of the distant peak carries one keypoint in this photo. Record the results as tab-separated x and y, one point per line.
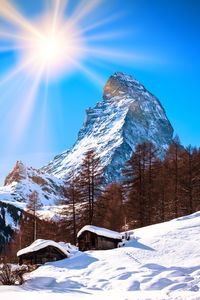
18	173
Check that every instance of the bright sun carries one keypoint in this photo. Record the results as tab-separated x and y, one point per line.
50	49
55	47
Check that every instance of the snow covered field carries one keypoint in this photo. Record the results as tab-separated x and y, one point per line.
161	262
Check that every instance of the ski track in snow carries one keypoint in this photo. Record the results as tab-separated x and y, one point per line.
162	262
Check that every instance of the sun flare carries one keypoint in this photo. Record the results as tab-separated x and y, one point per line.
49	50
51	44
54	48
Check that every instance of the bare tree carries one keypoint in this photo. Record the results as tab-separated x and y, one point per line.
72	195
173	157
110	208
33	205
90	180
10	276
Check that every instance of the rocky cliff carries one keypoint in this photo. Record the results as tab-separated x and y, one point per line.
23	180
128	115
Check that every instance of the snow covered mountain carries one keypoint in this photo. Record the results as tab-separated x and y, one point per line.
23	180
159	262
128	115
14	195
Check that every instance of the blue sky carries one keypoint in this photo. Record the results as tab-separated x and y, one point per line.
158	43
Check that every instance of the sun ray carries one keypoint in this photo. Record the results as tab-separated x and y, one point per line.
84	8
92	26
61	7
8	12
81	11
43	118
91	75
8	35
21	67
108	35
13	48
55	16
6	101
26	109
113	55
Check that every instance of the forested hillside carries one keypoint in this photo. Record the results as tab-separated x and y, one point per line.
152	191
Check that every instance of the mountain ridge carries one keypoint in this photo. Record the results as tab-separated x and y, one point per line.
115	126
127	116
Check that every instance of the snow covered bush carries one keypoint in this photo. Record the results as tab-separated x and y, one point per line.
10	275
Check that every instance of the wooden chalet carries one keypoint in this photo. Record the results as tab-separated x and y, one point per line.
97	238
41	251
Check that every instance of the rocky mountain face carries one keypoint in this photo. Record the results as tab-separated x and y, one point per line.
14	195
23	180
128	115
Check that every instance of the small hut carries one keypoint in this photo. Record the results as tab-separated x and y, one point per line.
97	238
41	251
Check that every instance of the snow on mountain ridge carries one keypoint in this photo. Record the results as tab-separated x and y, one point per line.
128	115
23	180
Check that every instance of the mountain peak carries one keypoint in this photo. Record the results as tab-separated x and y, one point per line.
127	116
18	173
120	84
124	77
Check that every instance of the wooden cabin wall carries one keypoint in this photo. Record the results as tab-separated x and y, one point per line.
87	241
105	243
41	256
91	241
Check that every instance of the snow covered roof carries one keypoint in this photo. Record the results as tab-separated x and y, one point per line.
40	244
101	231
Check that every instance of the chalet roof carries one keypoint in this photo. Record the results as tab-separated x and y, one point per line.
101	231
40	244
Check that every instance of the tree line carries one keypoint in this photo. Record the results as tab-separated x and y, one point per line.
151	191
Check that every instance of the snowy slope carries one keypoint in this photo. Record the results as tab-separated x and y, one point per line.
161	261
128	115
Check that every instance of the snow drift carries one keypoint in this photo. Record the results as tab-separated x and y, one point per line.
159	262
